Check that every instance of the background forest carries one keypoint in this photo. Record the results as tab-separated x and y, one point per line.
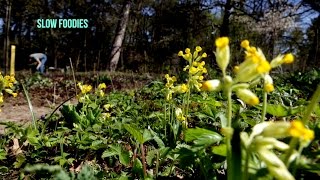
155	30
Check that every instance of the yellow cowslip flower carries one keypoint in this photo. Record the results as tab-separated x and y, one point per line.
188	51
245	44
204	55
7	78
107	106
222	42
200	78
263	67
9	91
277	61
204	70
278	129
185	68
12	79
14	94
102	86
268	83
101	93
298	130
255	65
288	58
186	56
282	59
106	115
184	88
169	95
170	80
247	96
184	124
181	88
86	88
193	70
1	98
236	69
211	85
222	53
269	88
198	49
179	115
195	63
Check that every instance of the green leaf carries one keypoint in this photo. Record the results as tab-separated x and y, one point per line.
151	156
277	110
90	115
202	136
223	119
32	136
146	135
108	153
124	158
157	139
70	114
20	159
220	150
137	167
116	148
62	161
207	110
3	154
97	144
135	133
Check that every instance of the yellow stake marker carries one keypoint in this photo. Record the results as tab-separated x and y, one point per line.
12	62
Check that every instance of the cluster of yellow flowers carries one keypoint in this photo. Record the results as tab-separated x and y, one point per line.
101	88
250	71
6	84
107	114
85	89
195	66
195	69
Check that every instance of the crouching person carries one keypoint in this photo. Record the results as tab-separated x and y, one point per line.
39	59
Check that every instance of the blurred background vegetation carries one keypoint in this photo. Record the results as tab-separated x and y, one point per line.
149	33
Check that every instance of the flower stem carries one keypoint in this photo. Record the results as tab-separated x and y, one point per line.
143	157
246	166
229	118
264	106
229	115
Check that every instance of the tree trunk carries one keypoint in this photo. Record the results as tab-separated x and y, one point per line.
117	44
6	46
85	51
224	29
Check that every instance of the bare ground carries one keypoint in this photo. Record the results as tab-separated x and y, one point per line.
17	109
